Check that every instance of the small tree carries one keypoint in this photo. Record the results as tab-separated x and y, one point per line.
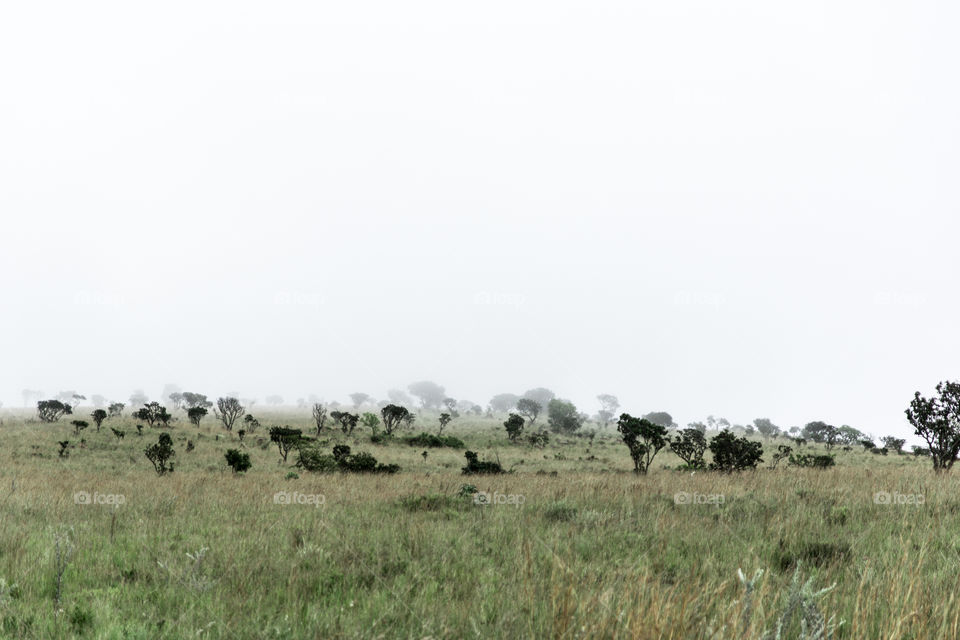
285	439
562	416
937	421
119	434
237	461
52	410
98	416
115	410
319	416
250	423
359	399
732	453
79	425
445	419
393	417
643	438
196	414
530	409
159	454
348	421
893	444
371	421
689	445
514	426
661	418
504	402
228	411
430	393
766	428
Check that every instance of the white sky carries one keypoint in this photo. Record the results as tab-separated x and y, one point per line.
738	208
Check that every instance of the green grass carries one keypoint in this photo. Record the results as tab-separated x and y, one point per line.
592	551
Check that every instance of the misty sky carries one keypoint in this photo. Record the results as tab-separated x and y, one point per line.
732	208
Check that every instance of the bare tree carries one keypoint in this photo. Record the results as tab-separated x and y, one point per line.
319	416
228	410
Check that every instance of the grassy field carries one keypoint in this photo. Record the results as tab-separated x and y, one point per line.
591	551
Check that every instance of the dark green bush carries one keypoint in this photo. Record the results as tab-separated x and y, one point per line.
731	453
430	440
811	461
237	461
477	466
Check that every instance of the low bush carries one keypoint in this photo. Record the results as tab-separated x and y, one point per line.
430	440
477	466
812	461
237	461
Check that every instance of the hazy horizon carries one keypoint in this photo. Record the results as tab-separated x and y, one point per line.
735	209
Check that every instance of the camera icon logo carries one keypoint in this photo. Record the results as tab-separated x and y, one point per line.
481	498
82	497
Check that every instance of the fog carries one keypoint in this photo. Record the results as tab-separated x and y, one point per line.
738	208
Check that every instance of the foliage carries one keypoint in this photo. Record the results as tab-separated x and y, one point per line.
445	419
643	438
530	409
431	394
285	438
812	461
504	402
98	416
228	411
348	421
159	454
79	425
689	445
514	427
52	410
393	416
237	461
732	453
430	440
937	421
661	418
196	414
475	466
562	416
319	413
153	413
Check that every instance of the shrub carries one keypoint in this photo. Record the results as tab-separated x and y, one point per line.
689	445
63	453
371	421
514	426
152	413
159	454
312	459
560	512
475	466
237	461
782	452
430	440
643	438
812	461
539	439
119	434
79	425
732	453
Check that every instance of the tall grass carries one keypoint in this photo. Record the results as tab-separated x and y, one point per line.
593	552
